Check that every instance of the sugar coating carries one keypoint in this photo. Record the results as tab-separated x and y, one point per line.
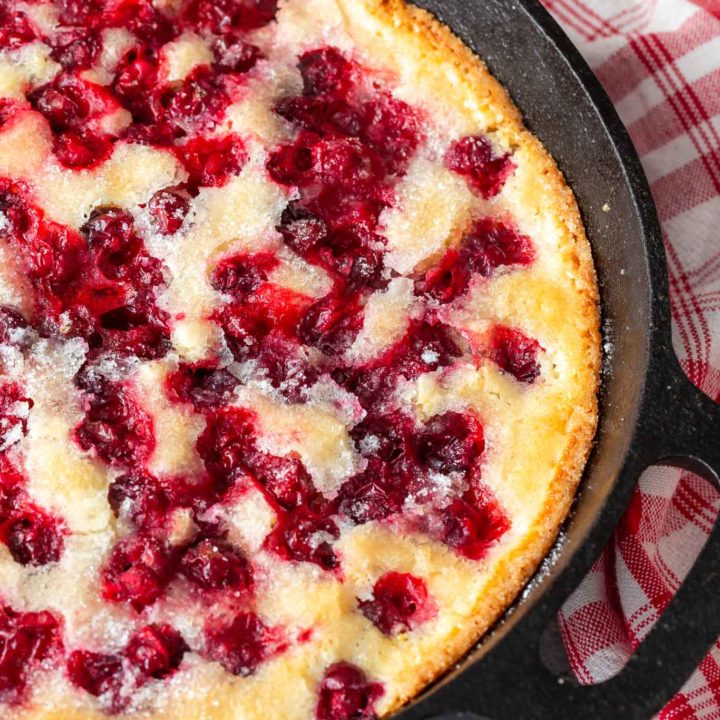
434	205
180	57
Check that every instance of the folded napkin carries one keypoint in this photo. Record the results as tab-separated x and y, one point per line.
659	60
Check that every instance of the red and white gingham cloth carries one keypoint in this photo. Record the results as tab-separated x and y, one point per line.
659	61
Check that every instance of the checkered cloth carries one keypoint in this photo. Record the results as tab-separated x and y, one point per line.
659	61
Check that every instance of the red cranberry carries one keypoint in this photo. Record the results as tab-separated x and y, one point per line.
8	109
117	428
140	329
34	537
493	244
52	255
26	639
262	325
446	281
382	436
95	305
285	478
80	149
360	212
391	128
354	265
226	441
135	86
241	275
211	162
79	12
324	108
344	162
345	693
139	497
155	651
354	215
99	675
16	29
327	116
202	385
325	71
301	230
399	603
14	411
89	379
425	348
219	16
54	258
160	134
305	536
291	164
451	442
474	158
374	494
23	218
76	51
228	446
488	246
216	565
286	366
112	239
69	103
244	331
256	13
200	99
168	209
515	353
471	528
232	54
241	645
331	324
143	21
197	492
137	572
11	494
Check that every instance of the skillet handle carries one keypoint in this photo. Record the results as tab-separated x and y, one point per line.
679	426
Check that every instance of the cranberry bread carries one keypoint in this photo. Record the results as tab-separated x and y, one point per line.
299	349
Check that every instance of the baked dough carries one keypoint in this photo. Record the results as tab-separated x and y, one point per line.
299	351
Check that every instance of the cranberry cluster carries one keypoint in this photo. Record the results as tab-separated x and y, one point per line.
474	158
229	448
27	639
99	284
353	143
162	114
152	653
32	535
262	321
488	246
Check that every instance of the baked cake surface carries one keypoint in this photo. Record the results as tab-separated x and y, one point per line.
299	349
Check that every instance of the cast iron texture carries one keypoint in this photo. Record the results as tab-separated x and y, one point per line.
650	412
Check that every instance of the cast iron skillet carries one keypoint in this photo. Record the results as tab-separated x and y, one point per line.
650	412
